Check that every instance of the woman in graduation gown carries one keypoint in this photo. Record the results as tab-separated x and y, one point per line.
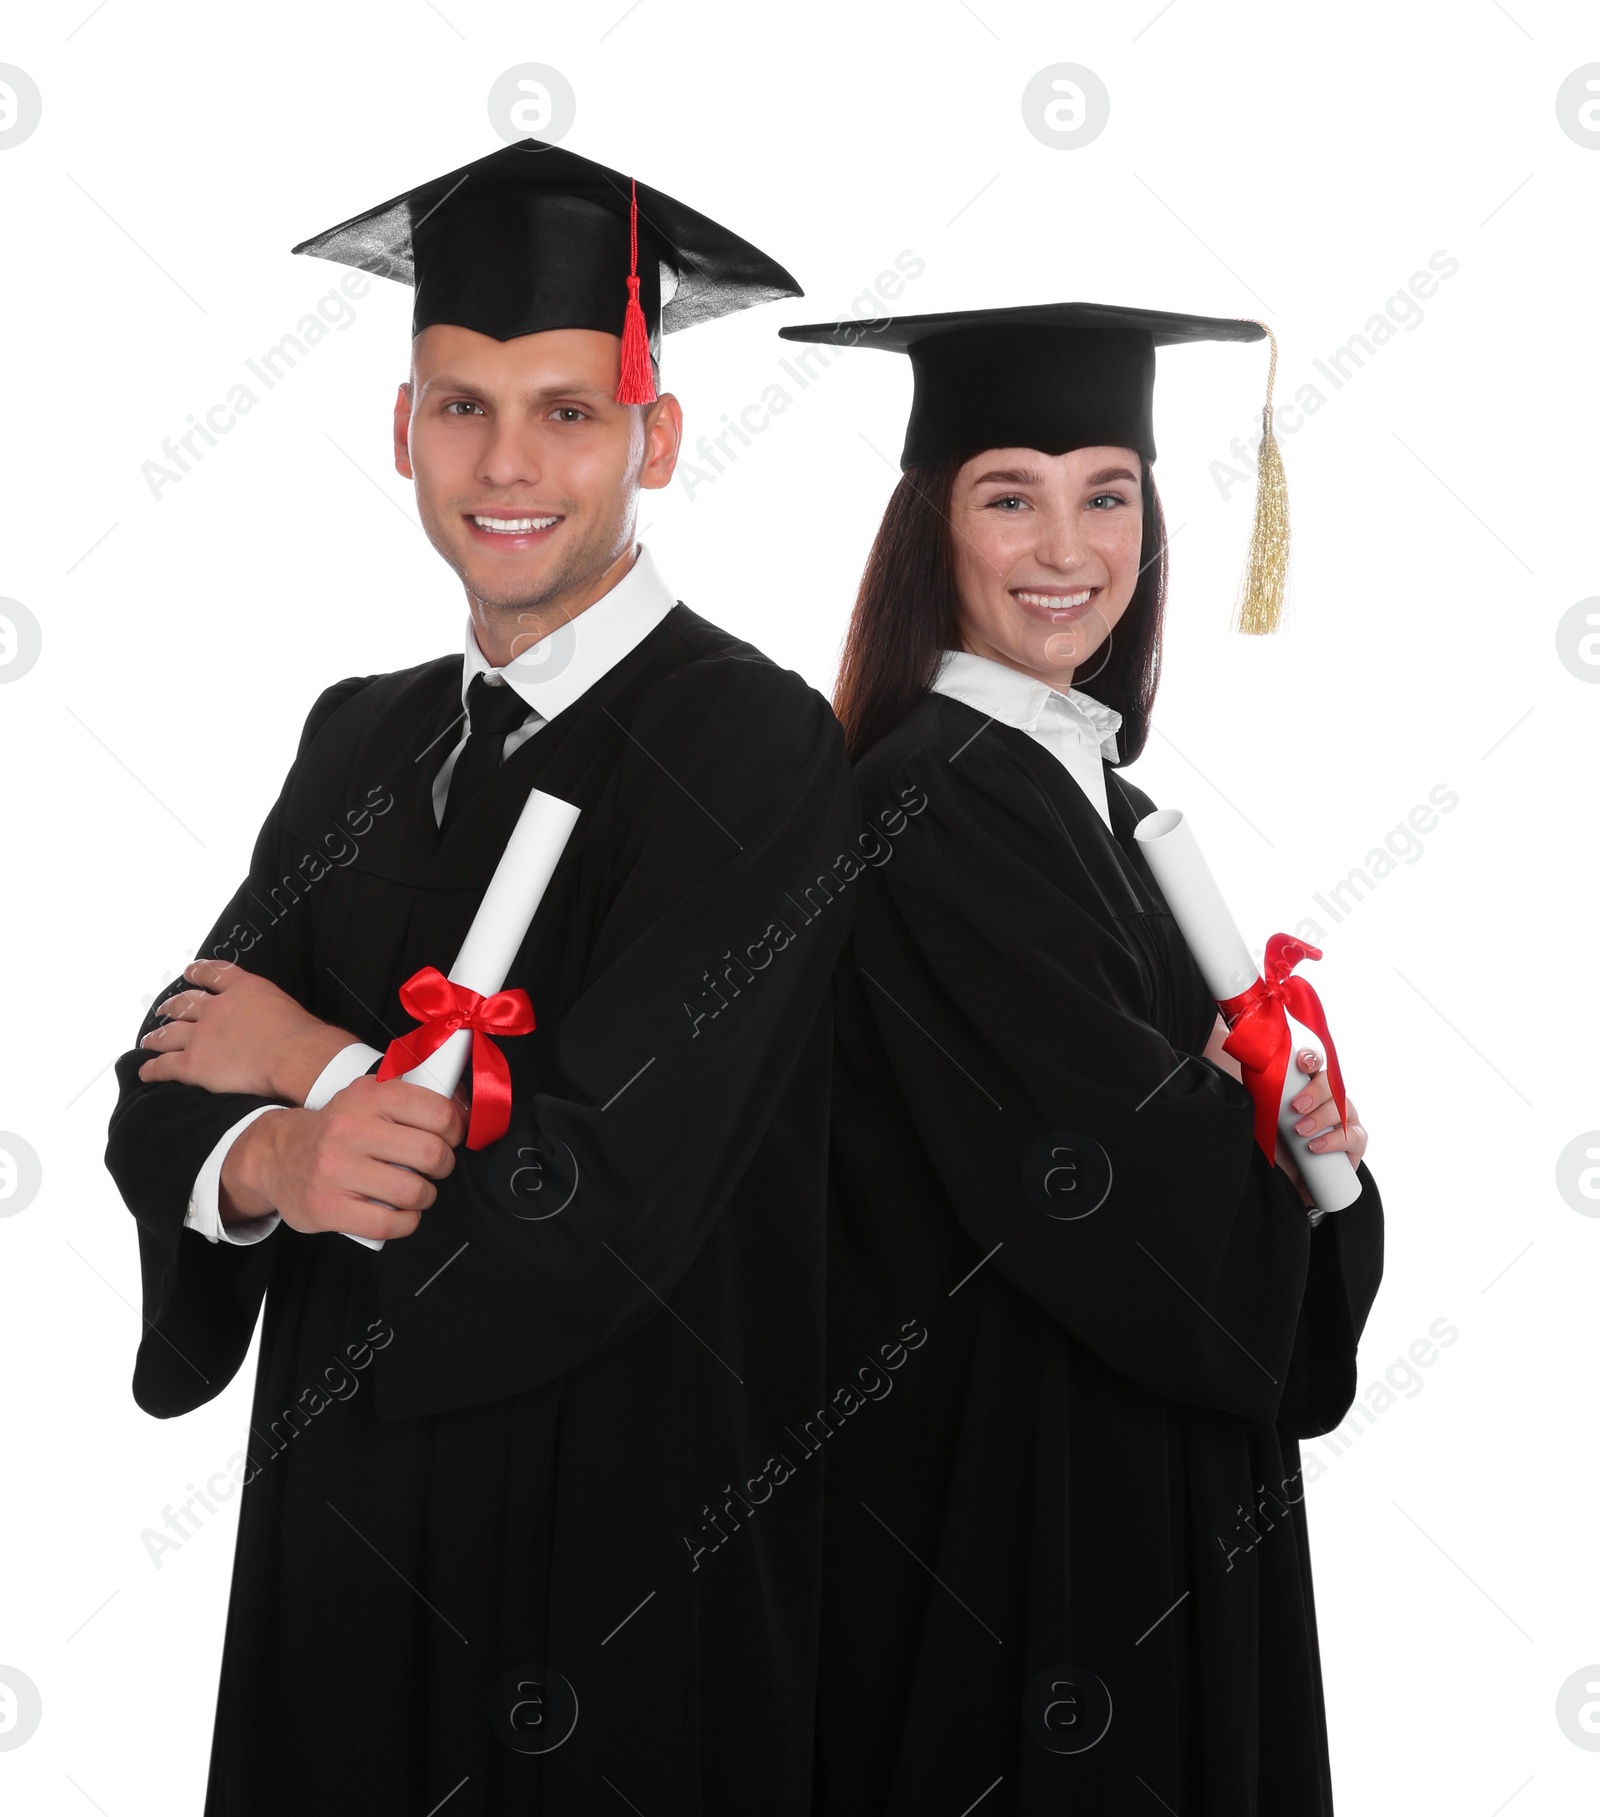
1078	1322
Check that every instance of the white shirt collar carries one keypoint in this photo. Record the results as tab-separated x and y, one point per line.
551	674
1015	699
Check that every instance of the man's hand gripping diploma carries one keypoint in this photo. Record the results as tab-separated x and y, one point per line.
364	1164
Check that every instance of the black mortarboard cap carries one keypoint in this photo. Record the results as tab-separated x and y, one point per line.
1051	376
1059	376
534	237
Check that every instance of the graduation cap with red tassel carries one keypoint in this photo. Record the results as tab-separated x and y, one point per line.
534	238
637	383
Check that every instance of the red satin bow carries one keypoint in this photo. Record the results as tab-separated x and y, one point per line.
442	1008
1258	1033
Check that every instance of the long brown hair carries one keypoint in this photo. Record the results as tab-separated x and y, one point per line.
907	609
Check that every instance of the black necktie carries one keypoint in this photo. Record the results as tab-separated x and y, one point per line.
494	710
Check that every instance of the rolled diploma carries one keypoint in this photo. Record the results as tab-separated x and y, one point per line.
498	930
1224	960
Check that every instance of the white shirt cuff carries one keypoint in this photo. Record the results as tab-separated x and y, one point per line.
205	1210
346	1066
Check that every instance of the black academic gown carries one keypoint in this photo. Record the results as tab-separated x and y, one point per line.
1079	1491
488	1465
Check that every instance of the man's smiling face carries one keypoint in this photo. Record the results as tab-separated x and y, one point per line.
526	469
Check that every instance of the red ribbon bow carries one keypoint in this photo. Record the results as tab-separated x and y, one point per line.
443	1008
1258	1033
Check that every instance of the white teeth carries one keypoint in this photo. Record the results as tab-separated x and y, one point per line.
515	524
1056	602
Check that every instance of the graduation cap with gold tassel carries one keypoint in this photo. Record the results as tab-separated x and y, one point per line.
1266	573
1057	376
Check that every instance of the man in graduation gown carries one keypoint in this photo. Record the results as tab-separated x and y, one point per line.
504	1538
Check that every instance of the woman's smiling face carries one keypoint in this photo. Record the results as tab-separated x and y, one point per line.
1046	550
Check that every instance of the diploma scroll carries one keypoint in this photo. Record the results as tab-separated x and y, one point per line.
498	930
1224	960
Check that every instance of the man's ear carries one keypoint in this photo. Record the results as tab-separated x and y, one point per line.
402	430
663	437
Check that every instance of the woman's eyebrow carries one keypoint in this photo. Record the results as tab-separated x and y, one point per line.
1011	476
1111	473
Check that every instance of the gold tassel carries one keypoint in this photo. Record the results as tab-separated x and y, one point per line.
1261	593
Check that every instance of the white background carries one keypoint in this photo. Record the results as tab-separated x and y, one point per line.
1297	163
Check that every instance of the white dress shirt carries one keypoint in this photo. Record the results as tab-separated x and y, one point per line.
549	676
1077	730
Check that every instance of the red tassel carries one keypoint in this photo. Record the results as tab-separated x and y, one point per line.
636	384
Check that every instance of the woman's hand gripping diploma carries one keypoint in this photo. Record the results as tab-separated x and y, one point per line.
1319	1113
365	1163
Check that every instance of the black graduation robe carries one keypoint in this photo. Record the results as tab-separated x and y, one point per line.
1075	1490
488	1465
